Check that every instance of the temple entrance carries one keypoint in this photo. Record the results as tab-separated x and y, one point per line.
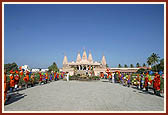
83	72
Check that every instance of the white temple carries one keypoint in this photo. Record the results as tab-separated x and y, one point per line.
84	65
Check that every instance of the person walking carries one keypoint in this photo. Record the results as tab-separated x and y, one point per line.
21	76
141	82
16	80
46	77
67	76
113	77
158	85
154	83
121	78
26	79
40	80
32	80
5	86
50	79
61	75
110	77
12	83
162	84
146	82
55	76
129	80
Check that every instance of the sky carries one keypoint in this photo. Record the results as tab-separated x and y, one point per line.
38	35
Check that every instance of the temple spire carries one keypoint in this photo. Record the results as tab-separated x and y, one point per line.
65	61
103	60
78	59
90	57
84	57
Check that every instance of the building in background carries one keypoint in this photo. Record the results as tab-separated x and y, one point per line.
35	70
84	65
124	70
44	70
26	67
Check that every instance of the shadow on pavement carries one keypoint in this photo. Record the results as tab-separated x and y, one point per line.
15	97
105	81
146	92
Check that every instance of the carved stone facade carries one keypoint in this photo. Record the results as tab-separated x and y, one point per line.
84	65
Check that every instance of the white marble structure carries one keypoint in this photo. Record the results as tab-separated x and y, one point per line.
84	64
35	70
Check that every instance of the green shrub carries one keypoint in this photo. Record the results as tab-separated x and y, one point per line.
95	77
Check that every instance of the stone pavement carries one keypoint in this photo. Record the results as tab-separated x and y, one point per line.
84	96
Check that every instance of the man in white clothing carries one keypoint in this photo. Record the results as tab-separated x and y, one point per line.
67	76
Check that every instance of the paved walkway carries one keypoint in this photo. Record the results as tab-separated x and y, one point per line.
84	96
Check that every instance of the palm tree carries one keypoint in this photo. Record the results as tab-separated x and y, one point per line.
119	66
149	61
144	65
161	65
125	66
137	65
131	65
155	59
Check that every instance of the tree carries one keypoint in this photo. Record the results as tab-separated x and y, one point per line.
160	66
141	70
107	65
144	65
125	66
131	65
137	65
119	66
153	60
149	61
53	67
11	66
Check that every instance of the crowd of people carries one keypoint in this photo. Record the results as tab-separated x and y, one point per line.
142	81
15	80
